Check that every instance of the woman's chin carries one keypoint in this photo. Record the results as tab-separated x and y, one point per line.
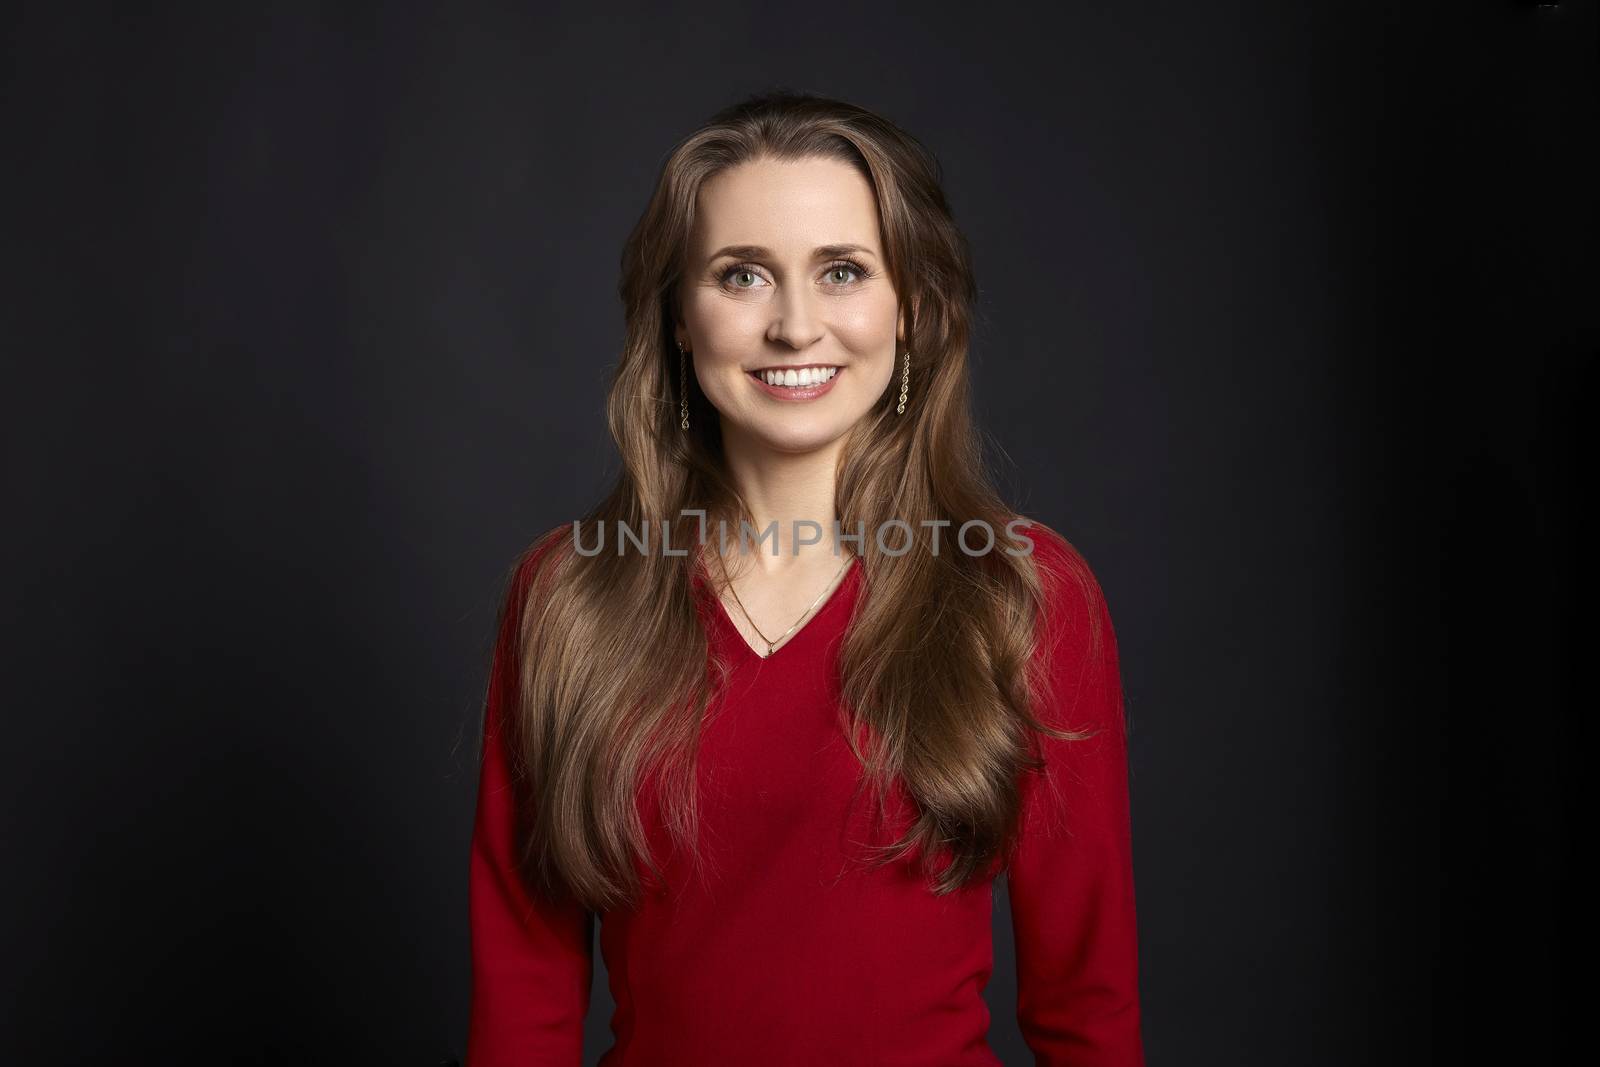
795	435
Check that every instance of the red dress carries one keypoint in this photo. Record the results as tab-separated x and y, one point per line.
791	955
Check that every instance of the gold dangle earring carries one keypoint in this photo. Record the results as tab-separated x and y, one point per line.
905	384
683	387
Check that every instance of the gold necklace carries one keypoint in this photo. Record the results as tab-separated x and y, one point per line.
771	644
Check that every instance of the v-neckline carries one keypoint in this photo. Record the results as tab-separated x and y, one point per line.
746	650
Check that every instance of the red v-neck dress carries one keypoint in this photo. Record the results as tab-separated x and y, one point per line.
792	952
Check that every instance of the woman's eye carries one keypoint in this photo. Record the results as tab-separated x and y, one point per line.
838	275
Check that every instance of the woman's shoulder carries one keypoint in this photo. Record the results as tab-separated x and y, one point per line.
1073	599
539	557
1074	637
1055	556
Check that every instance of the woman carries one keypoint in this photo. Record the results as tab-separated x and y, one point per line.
785	775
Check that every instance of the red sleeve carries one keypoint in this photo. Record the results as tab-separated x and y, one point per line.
531	957
1071	881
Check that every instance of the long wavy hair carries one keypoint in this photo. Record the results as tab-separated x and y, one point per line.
938	673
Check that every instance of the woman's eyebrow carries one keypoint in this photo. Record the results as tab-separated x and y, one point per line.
758	252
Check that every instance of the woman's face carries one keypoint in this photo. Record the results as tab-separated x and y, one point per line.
786	272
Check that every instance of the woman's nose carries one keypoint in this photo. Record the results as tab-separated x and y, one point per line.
795	322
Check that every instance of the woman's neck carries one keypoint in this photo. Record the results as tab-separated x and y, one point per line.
787	493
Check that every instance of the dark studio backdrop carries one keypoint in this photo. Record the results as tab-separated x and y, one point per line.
1287	320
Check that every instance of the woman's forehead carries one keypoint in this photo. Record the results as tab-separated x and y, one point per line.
791	209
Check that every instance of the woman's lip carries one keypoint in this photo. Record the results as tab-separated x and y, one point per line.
793	393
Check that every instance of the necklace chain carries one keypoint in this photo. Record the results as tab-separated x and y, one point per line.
771	644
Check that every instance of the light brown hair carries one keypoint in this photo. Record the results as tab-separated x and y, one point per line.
938	672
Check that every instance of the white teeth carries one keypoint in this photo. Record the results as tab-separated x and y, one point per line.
805	376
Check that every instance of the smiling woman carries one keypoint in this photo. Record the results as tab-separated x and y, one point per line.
799	314
785	783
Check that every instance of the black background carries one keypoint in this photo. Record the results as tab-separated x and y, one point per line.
1287	320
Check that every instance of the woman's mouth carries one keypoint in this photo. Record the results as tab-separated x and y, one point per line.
796	383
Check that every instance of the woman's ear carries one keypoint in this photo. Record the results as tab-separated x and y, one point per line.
902	326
